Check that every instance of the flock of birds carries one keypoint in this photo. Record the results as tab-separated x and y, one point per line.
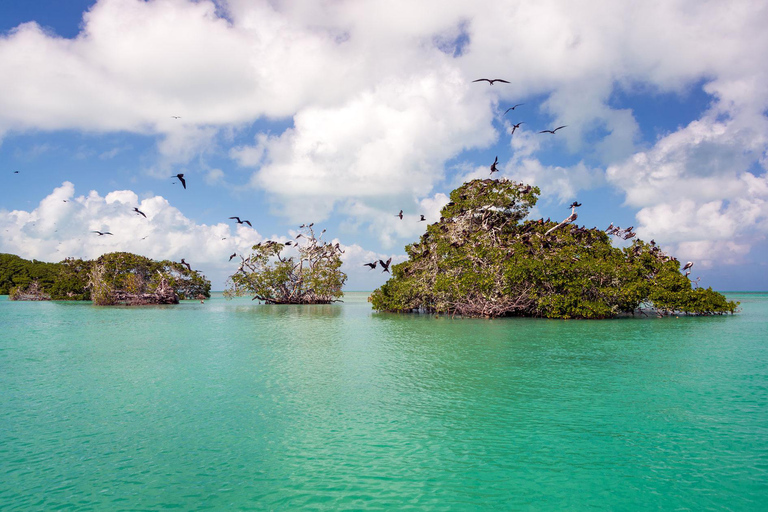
625	234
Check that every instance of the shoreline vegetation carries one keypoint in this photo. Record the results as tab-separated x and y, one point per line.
482	259
118	278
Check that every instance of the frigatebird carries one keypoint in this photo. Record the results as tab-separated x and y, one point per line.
575	204
372	265
233	255
513	108
493	165
490	81
186	264
422	218
102	234
176	117
688	265
385	266
181	179
400	215
139	212
515	127
553	131
242	221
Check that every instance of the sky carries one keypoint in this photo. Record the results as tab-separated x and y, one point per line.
343	113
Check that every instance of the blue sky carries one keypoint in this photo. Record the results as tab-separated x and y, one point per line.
343	113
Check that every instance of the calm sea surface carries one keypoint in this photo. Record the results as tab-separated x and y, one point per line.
232	405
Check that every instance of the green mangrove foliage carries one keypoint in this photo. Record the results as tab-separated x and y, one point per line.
483	259
314	277
107	280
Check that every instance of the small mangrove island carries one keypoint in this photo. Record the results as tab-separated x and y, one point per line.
482	259
111	279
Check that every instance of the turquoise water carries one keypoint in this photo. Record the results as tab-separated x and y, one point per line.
231	405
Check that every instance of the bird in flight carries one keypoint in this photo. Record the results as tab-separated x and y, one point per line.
400	215
233	255
372	265
176	117
15	172
181	179
553	131
422	218
515	127
102	234
575	204
513	108
139	212
385	266
186	264
490	81
493	165
242	221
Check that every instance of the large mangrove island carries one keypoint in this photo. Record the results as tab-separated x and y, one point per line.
484	259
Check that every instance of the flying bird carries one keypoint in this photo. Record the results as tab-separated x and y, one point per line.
102	234
385	266
400	215
186	264
181	179
242	221
139	212
490	81
233	255
493	165
513	108
553	131
15	172
575	204
176	117
372	265
515	127
422	218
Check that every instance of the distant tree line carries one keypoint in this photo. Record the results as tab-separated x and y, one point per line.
105	280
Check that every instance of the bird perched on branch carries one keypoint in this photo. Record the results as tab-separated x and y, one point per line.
186	264
688	265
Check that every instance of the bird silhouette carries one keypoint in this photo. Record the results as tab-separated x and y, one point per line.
186	264
400	215
15	172
385	266
422	218
513	108
176	117
233	255
490	81
139	212
372	265
553	131
242	221
493	165
181	179
575	204
515	127
102	234
688	265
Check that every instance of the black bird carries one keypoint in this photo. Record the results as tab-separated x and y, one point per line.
493	165
102	234
400	215
372	265
181	179
515	127
176	117
139	212
575	204
242	221
513	108
490	81
186	264
553	131
15	172
385	266
422	218
233	255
